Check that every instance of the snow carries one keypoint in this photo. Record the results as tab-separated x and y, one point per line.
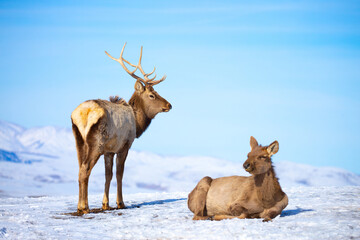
306	175
8	136
46	140
39	187
312	213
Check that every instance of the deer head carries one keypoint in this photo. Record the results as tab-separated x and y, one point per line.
144	97
259	159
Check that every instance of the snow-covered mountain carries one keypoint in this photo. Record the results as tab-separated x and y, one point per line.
47	140
8	136
43	161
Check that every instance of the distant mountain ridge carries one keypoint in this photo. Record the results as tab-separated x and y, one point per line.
43	160
47	140
8	136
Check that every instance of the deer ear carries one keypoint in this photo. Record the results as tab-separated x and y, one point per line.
139	87
253	142
273	148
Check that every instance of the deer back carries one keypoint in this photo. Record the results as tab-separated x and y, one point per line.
117	122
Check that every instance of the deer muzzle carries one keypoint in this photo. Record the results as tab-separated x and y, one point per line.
167	108
247	166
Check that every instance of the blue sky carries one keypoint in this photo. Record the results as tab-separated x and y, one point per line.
285	70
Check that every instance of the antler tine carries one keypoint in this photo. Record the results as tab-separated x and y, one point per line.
152	78
133	65
148	74
140	67
146	80
121	57
152	83
120	60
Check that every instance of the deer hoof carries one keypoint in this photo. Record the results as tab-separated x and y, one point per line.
83	211
267	219
105	206
120	205
202	218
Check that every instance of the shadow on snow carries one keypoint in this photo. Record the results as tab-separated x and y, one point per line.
292	212
132	206
156	202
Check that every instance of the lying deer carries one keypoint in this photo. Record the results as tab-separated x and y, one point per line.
107	128
257	196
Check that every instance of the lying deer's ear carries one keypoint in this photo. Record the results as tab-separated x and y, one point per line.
253	143
273	148
139	87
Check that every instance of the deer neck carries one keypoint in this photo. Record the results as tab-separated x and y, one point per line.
268	188
141	119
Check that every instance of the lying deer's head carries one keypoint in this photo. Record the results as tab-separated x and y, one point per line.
259	159
148	99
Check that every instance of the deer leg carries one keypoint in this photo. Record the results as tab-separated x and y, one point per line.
237	210
269	214
274	211
197	199
108	158
84	174
201	218
222	217
120	164
82	206
81	148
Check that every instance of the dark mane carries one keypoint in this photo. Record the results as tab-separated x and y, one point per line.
142	121
118	100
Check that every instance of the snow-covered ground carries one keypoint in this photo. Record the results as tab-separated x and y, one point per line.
38	187
312	213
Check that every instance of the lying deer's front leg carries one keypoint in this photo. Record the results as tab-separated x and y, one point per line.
108	158
274	211
236	210
269	214
222	217
201	217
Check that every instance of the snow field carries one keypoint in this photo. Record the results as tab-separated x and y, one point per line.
38	190
312	213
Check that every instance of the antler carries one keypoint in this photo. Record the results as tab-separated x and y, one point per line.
146	80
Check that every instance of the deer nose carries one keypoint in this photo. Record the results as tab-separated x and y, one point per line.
246	165
167	108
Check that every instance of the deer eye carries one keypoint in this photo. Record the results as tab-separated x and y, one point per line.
262	157
151	96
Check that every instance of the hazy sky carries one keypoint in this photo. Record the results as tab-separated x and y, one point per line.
283	70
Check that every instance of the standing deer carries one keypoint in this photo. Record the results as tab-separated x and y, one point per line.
107	128
257	196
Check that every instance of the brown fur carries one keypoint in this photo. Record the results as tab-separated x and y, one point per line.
200	191
142	121
118	100
257	196
107	128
